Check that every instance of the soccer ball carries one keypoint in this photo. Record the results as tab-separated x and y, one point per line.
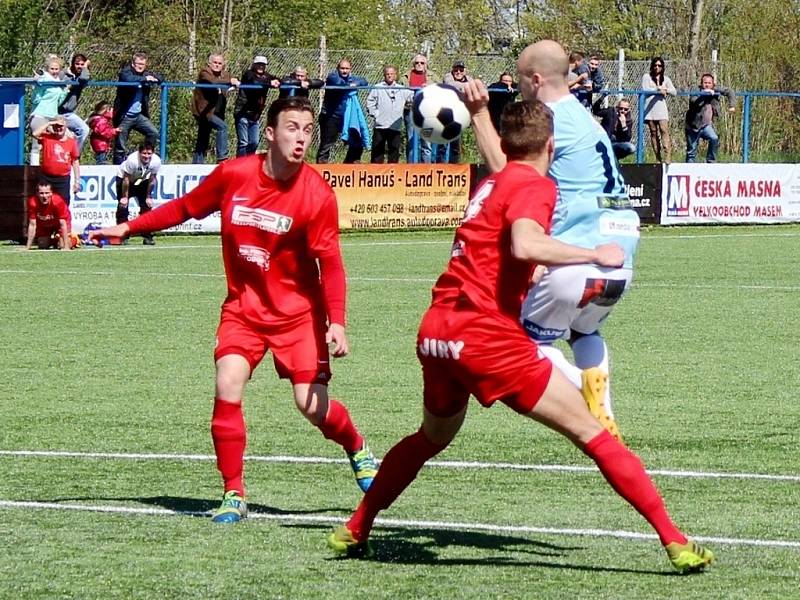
439	114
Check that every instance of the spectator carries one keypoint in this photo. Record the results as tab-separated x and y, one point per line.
103	132
655	109
580	84
457	77
46	100
385	104
49	221
60	156
135	179
208	108
132	105
79	73
297	83
332	122
616	121
250	103
418	77
703	109
501	92
596	76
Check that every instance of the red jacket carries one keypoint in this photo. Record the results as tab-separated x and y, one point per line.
103	133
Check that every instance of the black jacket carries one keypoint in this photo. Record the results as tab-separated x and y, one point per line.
70	103
609	120
250	102
126	94
294	82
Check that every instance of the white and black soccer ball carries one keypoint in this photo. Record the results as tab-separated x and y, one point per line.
439	113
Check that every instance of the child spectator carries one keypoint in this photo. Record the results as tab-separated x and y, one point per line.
102	131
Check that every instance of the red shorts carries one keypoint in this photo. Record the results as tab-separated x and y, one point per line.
465	352
299	352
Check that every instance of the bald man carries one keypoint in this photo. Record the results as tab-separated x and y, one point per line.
570	302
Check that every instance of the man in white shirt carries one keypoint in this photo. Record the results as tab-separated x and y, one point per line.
136	177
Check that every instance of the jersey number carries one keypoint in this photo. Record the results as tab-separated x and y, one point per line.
477	200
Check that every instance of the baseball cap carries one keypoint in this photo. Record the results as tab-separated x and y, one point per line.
459	64
260	59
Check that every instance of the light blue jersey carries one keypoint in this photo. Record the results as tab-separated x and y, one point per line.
592	206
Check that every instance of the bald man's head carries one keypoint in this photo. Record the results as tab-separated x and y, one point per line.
546	59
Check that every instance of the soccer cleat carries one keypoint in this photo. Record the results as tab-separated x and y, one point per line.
594	390
689	557
341	541
364	466
233	508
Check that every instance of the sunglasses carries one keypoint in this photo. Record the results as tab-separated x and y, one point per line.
659	66
620	109
419	62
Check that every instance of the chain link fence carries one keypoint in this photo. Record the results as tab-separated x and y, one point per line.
775	122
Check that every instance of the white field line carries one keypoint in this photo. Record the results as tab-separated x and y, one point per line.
403	523
424	280
162	248
446	464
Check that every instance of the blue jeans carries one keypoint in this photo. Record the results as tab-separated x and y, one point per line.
204	127
77	126
693	139
101	158
138	123
247	136
413	138
623	149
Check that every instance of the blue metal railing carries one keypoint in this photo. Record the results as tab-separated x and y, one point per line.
165	86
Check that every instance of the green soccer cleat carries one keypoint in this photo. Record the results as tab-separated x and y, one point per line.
364	466
689	557
594	382
341	541
233	508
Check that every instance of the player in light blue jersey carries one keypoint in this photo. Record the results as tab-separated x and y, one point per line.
571	302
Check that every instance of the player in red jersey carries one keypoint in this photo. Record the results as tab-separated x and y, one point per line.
470	340
279	220
49	221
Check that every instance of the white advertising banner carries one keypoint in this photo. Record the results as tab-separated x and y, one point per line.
96	202
700	193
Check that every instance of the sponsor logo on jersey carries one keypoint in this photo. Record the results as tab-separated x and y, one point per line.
441	348
613	226
256	255
266	220
542	334
678	198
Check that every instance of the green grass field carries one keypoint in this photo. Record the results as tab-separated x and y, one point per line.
106	471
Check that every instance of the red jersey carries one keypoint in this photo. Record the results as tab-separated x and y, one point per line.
272	235
58	155
48	215
481	266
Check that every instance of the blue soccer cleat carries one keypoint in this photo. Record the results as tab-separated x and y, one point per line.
233	508
364	466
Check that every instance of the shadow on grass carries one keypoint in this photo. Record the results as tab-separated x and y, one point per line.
421	547
196	507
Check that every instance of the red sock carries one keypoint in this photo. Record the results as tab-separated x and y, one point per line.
626	474
338	426
398	469
230	437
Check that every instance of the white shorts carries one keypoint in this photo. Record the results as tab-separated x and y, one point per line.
572	297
